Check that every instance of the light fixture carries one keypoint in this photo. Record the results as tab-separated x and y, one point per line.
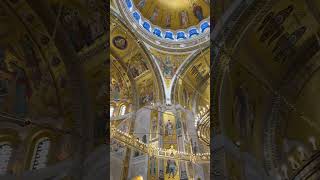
138	178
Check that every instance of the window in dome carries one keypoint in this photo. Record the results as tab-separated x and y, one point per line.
5	154
40	155
122	110
111	111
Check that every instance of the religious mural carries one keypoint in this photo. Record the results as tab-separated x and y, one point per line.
169	68
155	14
168	20
120	42
272	29
154	124
184	19
186	96
175	15
285	46
243	112
197	11
82	31
171	168
24	74
141	4
146	95
153	167
179	125
137	65
272	25
200	72
165	129
117	89
168	128
169	64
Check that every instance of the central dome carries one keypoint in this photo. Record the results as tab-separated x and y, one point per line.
174	14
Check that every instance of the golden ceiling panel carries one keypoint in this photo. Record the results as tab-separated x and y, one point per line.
120	86
199	69
194	80
121	43
174	14
134	63
137	65
169	63
277	36
38	87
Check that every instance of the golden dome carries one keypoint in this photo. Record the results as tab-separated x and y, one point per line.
174	14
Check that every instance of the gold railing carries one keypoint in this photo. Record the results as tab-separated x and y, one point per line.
152	150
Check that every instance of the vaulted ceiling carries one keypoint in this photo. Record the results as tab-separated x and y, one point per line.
267	92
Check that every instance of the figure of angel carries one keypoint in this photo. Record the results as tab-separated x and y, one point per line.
154	14
168	20
141	4
184	18
169	128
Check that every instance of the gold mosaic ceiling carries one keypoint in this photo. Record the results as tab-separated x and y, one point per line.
174	14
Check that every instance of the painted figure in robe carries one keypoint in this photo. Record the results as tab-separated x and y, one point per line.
154	15
169	128
197	11
184	18
171	168
168	20
141	4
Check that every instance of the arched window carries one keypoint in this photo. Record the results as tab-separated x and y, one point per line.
111	111
40	154
5	154
122	110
